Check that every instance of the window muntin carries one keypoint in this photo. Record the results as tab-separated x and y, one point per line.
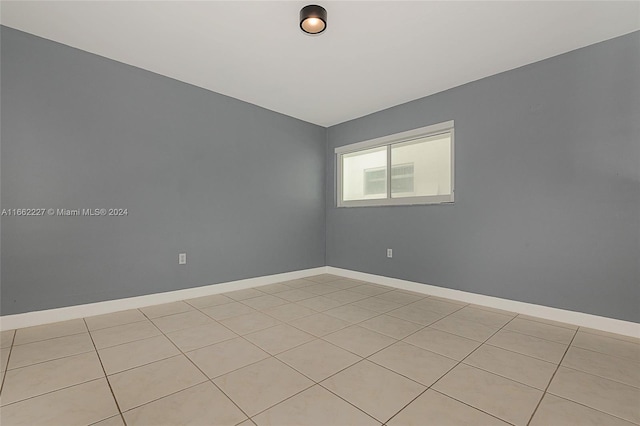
421	164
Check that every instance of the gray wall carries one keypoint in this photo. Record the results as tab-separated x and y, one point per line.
547	204
237	187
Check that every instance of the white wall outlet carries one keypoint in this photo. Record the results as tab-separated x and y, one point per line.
389	253
182	258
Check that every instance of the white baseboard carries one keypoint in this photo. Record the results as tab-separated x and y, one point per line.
28	319
611	325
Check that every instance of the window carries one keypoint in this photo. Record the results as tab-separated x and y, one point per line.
421	164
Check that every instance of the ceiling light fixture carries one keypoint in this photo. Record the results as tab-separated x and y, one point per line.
313	19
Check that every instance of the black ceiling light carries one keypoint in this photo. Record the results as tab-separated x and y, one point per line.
313	19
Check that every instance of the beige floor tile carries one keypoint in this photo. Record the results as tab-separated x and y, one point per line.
120	334
480	316
607	345
274	288
360	341
249	323
494	310
295	295
543	331
377	305
244	294
301	283
198	337
521	368
415	314
345	283
559	411
134	354
224	357
321	289
550	322
247	422
610	367
264	302
400	297
442	343
375	390
323	278
417	364
470	330
529	345
78	405
116	318
500	397
208	301
614	398
4	358
289	312
346	296
351	313
315	406
202	404
370	290
318	359
391	326
49	331
47	350
111	421
141	385
439	306
630	339
38	379
157	311
447	300
441	410
6	338
252	387
320	324
320	303
279	338
181	321
228	310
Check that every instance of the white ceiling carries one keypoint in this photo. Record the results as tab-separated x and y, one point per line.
373	55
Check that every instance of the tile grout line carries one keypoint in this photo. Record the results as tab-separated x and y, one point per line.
552	376
457	364
388	369
6	368
293	368
198	368
105	375
601	377
449	370
50	338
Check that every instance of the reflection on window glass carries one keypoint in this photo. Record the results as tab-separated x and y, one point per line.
365	174
425	162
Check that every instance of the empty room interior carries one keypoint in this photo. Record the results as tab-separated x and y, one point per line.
343	213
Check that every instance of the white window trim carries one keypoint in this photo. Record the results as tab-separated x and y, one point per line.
435	129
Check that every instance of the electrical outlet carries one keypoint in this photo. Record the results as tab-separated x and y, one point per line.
389	253
182	259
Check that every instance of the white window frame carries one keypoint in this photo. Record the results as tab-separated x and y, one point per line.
388	141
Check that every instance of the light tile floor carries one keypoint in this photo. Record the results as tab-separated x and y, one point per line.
318	351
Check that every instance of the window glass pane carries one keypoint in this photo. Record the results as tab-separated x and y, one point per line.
364	174
421	167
